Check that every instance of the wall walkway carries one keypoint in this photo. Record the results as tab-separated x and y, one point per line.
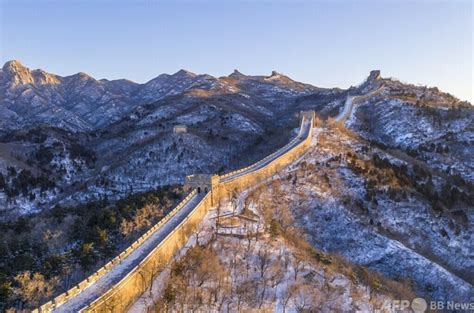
115	286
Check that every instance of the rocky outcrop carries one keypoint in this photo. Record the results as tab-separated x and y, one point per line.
374	75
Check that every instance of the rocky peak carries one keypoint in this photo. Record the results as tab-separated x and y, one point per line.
80	80
17	74
184	74
236	73
374	75
13	66
278	77
82	76
41	77
374	80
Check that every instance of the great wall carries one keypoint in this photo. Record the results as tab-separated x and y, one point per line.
118	284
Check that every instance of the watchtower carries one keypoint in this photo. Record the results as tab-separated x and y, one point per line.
308	115
180	129
201	182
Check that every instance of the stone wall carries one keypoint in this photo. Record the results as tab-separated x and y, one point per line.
72	292
363	98
127	291
226	186
138	280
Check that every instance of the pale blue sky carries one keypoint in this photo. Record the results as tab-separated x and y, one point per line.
323	43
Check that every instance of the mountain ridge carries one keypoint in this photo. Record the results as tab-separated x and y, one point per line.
15	66
126	123
74	101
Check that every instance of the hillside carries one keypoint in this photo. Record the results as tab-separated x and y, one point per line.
375	209
96	139
349	212
88	165
420	123
349	209
250	255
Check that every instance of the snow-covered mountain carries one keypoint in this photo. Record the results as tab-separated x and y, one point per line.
94	138
419	123
390	189
76	138
80	102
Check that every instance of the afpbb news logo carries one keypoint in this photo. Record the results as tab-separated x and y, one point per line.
420	305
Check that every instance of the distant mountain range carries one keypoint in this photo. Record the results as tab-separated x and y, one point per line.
81	139
80	103
390	188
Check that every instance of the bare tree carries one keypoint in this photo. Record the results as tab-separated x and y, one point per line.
276	275
245	292
304	297
198	233
264	283
263	260
234	201
298	266
287	295
248	229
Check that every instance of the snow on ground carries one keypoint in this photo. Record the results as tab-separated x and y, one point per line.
192	118
288	283
243	245
242	123
410	127
402	238
161	113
